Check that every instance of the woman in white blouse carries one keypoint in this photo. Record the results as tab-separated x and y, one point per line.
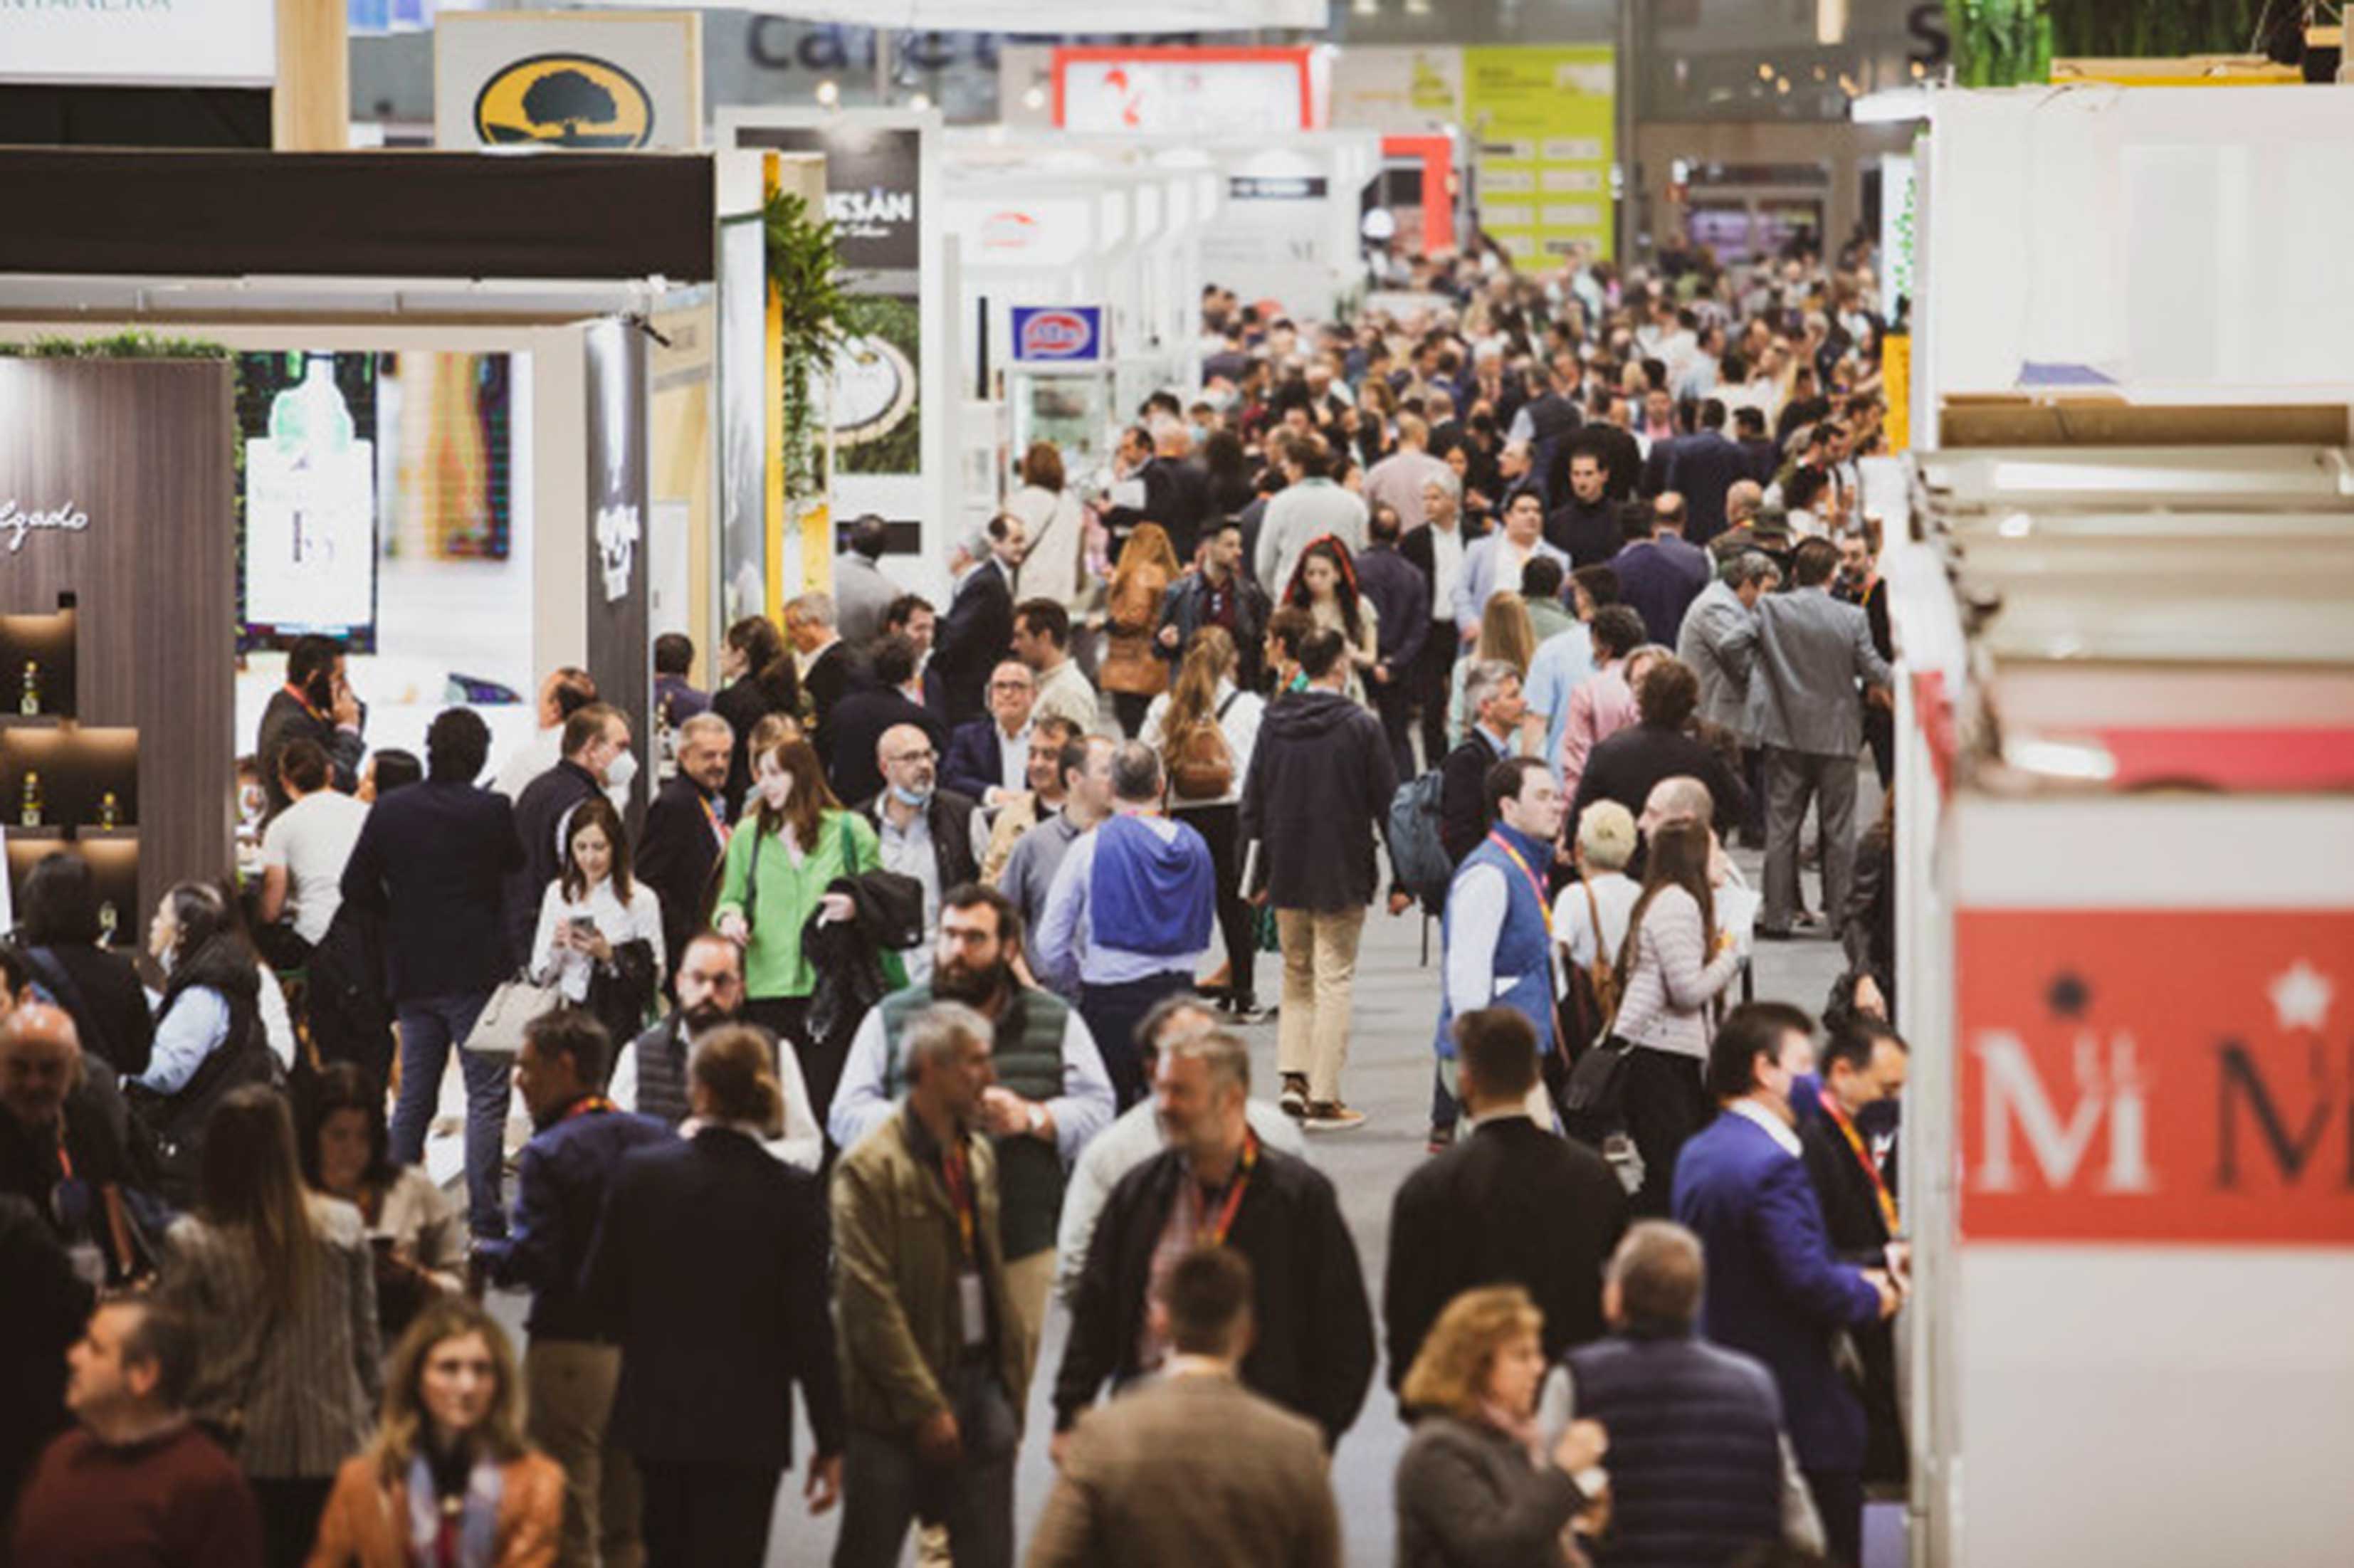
1202	720
600	939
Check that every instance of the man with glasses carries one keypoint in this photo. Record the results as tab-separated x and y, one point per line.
988	758
926	832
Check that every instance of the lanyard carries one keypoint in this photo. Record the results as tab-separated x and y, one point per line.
1535	886
1216	1230
589	1105
65	1161
957	1176
1863	1158
718	823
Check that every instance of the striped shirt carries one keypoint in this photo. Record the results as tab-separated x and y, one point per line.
302	1385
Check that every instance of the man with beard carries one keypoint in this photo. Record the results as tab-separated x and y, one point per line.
1052	1093
651	1078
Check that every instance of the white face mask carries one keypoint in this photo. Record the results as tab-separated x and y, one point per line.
775	789
621	770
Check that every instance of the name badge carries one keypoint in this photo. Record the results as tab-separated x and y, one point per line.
973	1308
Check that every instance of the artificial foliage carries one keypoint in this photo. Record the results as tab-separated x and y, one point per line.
2001	43
805	275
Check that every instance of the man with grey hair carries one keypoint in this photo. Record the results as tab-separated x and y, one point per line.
1725	604
863	594
1131	913
686	831
934	1379
1216	1184
823	660
1701	1467
1436	550
1492	696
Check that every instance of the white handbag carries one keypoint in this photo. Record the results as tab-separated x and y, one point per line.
498	1031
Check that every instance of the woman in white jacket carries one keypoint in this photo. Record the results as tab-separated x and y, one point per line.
1054	565
1205	727
600	938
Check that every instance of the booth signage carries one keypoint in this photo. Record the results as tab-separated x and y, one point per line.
585	81
143	43
2170	1077
1058	334
17	522
1277	188
1545	118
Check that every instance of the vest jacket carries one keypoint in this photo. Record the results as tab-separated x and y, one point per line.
1695	1447
662	1072
1524	960
1028	1055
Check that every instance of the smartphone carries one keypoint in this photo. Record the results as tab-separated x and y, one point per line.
583	925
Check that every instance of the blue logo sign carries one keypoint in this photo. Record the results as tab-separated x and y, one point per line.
1058	334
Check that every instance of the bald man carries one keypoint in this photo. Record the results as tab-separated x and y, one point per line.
59	1150
1684	799
930	833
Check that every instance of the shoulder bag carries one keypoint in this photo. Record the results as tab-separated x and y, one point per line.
513	1007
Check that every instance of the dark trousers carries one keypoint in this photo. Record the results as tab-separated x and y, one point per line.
787	1018
1433	683
1666	1103
1838	1498
430	1027
1752	779
1131	709
1394	701
886	1485
706	1516
1112	1013
1792	780
1880	734
1445	1111
291	1508
1221	828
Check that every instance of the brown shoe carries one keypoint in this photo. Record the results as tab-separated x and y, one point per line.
1331	1116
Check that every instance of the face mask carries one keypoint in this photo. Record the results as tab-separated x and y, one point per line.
1200	433
907	797
776	790
621	770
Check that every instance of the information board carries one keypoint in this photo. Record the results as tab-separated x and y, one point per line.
1542	122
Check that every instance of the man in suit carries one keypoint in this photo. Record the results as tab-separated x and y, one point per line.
1863	1074
1510	1205
988	758
1194	1469
433	861
1436	550
1742	580
1703	467
1800	657
315	704
1313	1349
1660	744
1401	596
862	594
912	615
571	1367
705	1402
828	666
930	833
979	627
1492	565
1775	1291
596	758
1492	694
1661	576
861	719
687	828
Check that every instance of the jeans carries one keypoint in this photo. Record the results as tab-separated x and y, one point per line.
1112	1013
885	1486
429	1027
1319	975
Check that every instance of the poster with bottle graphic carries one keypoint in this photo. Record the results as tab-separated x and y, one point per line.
309	536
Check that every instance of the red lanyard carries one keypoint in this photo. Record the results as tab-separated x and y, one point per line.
65	1161
1863	1158
1216	1230
718	823
589	1105
957	1176
1535	885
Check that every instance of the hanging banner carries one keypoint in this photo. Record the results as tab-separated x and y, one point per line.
1177	90
609	81
1543	121
1398	90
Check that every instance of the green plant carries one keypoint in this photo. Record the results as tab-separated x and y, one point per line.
2104	29
804	267
2000	43
131	345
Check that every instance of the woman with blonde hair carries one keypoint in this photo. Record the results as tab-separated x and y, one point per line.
773	877
1204	729
1133	671
1505	632
1475	1487
448	1479
279	1285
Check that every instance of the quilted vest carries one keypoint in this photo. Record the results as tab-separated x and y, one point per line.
1028	1055
1524	960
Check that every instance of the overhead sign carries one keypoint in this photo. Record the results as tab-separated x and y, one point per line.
1277	188
589	81
1543	119
158	43
1179	90
1058	334
2166	1077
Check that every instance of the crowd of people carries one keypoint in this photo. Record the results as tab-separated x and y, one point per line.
911	1002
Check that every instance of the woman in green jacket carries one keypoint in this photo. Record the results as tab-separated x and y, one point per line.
783	855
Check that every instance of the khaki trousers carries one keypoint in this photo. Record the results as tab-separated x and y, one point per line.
1027	1282
570	1383
1320	971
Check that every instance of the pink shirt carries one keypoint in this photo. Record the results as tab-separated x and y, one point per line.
1598	709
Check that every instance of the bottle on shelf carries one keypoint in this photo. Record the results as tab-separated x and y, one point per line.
29	812
107	920
110	810
29	700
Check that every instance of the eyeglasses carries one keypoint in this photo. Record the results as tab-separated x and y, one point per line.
926	756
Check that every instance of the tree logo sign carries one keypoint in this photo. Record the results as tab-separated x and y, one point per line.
565	101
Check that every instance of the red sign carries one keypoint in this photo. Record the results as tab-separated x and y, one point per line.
2180	1076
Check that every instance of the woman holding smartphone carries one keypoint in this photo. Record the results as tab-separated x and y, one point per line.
601	933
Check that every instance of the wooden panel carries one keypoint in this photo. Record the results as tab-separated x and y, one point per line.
2106	422
140	453
311	108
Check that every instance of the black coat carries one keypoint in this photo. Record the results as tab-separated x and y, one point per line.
972	637
1320	779
709	1268
101	991
1463	818
41	1314
433	859
285	720
1622	455
856	726
1313	1352
887	912
1588	536
676	857
346	1007
1511	1204
832	675
1858	1235
1701	469
539	817
744	705
1624	767
949	817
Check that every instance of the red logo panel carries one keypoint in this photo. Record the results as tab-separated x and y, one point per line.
2157	1075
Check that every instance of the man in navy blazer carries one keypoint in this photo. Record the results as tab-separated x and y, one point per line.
988	757
1701	468
434	860
1775	1291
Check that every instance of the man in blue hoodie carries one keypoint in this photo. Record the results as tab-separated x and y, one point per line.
1129	918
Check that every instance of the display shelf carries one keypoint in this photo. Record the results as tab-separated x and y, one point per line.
77	766
33	721
113	855
41	645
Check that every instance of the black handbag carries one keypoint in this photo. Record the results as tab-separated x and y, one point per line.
1597	1080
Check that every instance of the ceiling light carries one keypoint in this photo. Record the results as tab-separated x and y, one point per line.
829	92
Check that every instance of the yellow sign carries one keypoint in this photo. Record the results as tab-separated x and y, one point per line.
1544	121
1896	385
565	101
